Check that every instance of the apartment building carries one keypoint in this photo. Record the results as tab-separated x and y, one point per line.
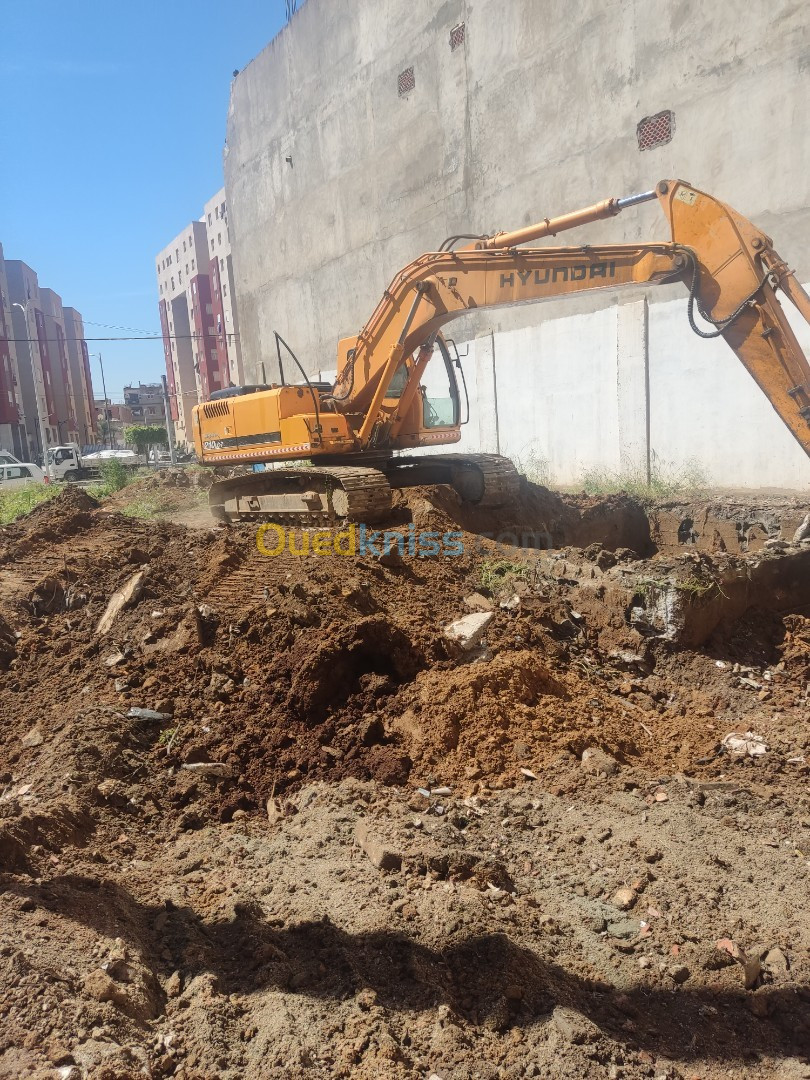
12	426
59	381
44	367
80	377
198	314
223	294
145	403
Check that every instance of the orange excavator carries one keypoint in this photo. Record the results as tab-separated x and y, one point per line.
352	432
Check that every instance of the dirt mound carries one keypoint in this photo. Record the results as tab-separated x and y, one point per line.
63	516
217	859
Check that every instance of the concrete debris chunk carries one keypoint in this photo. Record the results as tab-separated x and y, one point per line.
208	768
511	604
742	745
381	856
129	594
148	714
467	631
803	531
595	760
775	962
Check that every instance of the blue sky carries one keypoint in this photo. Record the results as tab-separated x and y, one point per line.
112	124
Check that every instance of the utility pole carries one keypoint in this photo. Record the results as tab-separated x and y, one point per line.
108	433
169	424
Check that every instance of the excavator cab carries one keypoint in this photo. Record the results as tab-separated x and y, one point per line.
441	404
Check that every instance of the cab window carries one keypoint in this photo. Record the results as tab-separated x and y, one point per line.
440	401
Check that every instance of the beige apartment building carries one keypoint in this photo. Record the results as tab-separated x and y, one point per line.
198	314
80	378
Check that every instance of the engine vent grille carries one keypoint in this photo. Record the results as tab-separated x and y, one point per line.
407	81
212	409
655	130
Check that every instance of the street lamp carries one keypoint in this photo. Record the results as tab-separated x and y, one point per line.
36	369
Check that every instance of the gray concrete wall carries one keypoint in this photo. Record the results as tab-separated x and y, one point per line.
534	115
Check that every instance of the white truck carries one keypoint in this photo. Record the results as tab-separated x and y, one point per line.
67	462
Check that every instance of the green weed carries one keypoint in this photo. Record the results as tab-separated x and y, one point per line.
665	480
14	504
496	573
535	467
114	476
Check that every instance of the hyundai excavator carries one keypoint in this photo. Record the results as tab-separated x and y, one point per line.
352	432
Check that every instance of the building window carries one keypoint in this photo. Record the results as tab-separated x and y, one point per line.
172	282
180	277
655	130
457	36
209	219
192	264
219	238
222	264
184	245
209	309
222	209
212	243
216	212
406	81
186	269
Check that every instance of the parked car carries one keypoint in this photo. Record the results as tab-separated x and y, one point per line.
17	476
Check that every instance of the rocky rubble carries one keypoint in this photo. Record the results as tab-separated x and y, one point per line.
266	818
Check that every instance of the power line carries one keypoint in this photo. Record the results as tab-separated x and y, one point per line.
156	337
112	326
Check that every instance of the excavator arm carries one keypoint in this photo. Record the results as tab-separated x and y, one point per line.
730	268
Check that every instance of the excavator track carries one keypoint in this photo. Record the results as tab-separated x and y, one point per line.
487	480
324	497
306	498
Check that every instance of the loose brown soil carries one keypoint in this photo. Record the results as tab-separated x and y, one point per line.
337	847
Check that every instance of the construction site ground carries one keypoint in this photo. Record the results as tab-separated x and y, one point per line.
260	816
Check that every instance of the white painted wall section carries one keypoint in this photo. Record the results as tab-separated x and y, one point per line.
616	388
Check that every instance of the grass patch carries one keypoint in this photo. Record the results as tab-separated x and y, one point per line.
14	504
535	467
497	573
114	476
665	481
143	506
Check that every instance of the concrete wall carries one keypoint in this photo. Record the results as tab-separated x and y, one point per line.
623	390
534	114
